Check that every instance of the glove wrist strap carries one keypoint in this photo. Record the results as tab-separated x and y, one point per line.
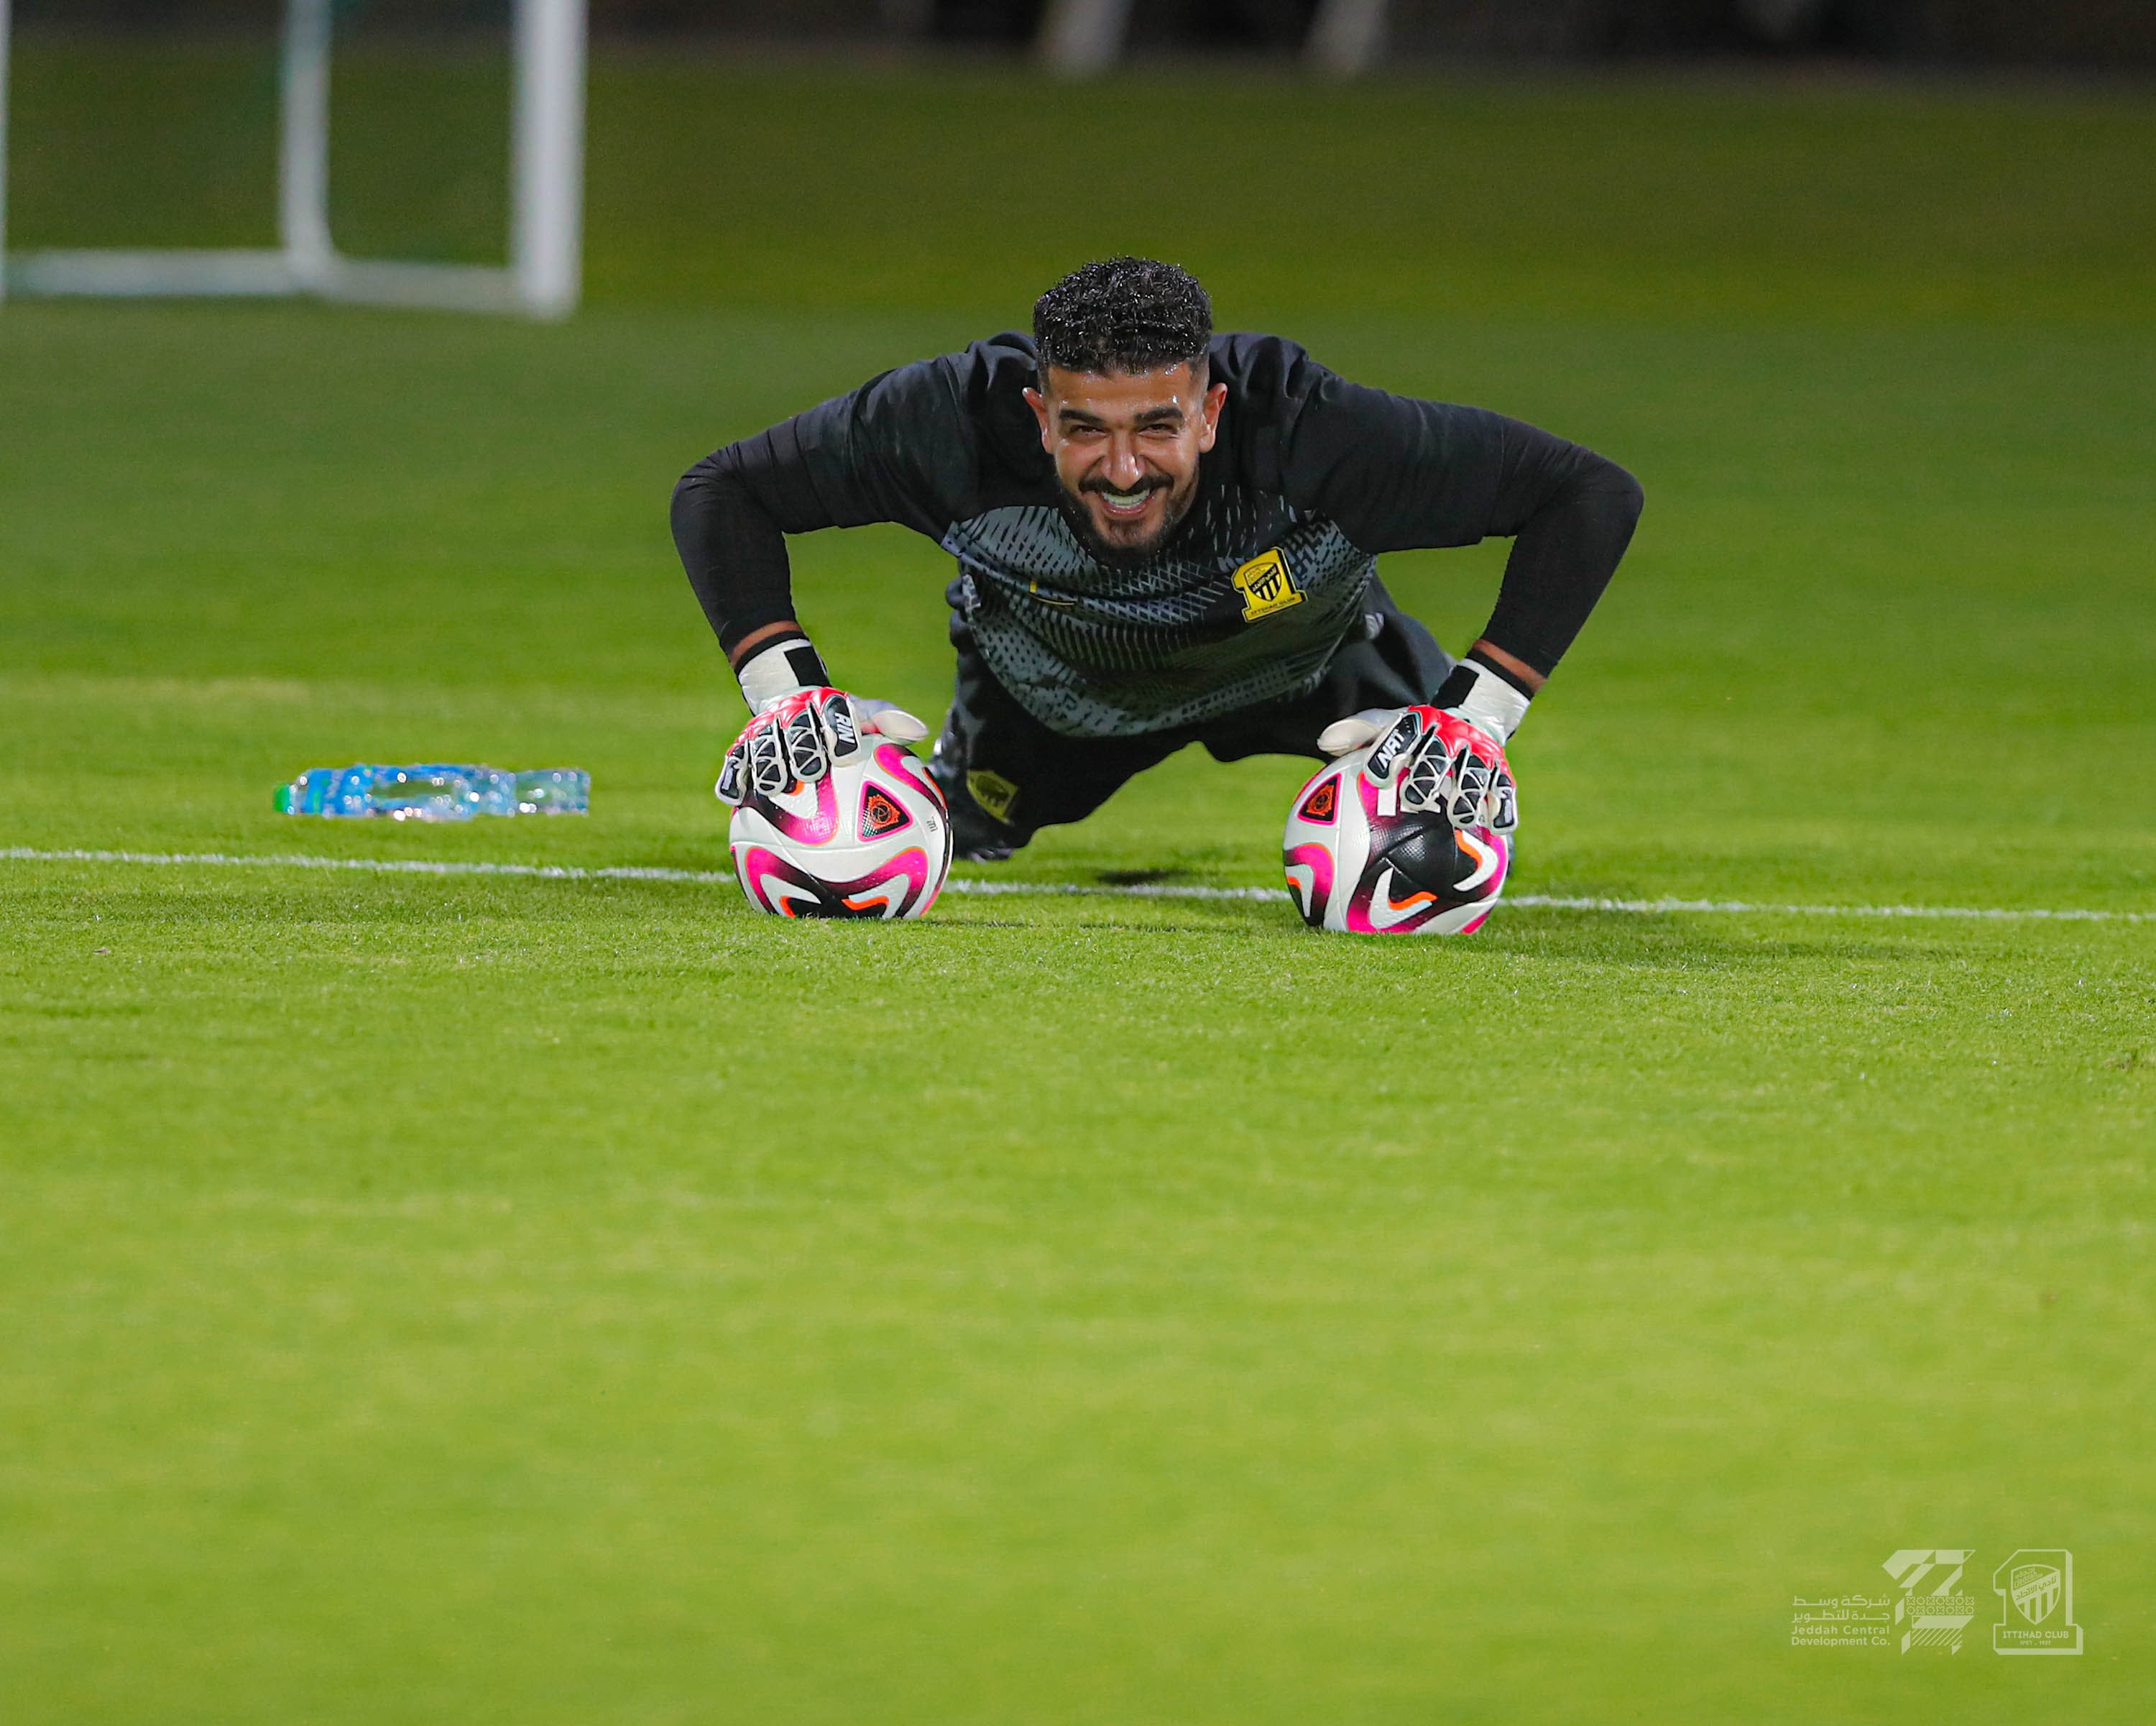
1485	697
785	667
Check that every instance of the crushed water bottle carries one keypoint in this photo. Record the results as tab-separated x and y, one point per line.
436	791
553	791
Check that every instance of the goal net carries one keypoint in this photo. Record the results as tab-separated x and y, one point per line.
200	161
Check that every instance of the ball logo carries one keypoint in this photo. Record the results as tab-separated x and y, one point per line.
1323	804
880	814
1389	910
1485	858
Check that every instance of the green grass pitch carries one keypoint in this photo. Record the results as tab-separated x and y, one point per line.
498	1299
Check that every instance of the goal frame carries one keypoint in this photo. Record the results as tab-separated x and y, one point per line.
542	279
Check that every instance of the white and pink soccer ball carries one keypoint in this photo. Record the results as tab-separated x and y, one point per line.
871	838
1358	863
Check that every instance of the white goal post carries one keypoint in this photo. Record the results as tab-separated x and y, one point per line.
544	275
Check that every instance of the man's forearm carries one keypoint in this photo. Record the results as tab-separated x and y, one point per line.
734	553
1562	560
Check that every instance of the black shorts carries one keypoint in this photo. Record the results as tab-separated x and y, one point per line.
1006	775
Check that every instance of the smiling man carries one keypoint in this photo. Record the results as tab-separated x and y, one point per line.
1163	536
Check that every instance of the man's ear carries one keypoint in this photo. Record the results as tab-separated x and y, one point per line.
1216	398
1038	403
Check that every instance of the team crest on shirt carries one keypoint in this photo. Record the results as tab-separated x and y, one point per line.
992	792
1267	585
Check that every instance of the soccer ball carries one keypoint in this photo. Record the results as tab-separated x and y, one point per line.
871	838
1358	863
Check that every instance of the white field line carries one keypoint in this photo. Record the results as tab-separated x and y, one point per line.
989	889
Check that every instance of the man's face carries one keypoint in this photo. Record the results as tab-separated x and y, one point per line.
1125	446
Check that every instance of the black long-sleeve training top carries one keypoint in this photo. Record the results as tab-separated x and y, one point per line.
1311	477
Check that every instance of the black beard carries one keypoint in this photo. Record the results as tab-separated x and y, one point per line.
1106	552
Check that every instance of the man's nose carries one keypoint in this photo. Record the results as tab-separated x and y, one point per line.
1124	465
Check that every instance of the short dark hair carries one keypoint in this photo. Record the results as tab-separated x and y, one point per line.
1122	315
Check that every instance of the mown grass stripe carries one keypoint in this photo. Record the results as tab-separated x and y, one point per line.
1142	890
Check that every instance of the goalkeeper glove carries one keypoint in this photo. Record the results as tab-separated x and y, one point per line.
799	726
1426	758
1432	764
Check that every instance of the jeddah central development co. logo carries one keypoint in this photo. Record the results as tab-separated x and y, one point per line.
1931	1611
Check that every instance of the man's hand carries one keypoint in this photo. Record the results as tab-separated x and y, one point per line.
800	727
800	737
1430	759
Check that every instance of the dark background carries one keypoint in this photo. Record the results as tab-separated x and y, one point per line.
2084	32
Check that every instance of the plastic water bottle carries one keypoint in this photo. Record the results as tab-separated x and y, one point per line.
436	791
553	791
